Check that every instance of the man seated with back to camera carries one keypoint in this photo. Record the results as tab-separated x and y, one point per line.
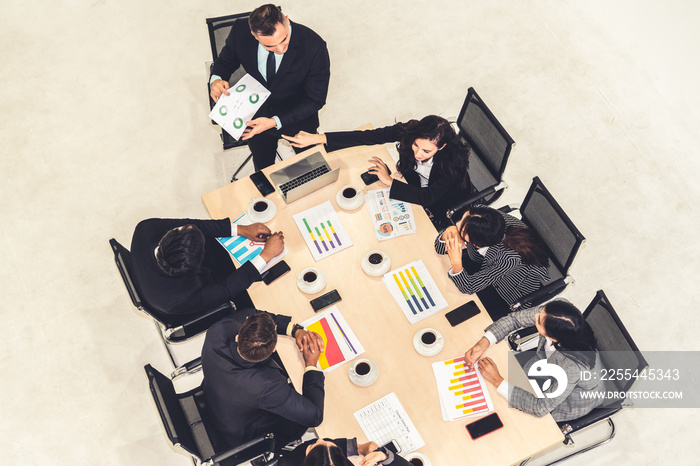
246	388
181	269
335	452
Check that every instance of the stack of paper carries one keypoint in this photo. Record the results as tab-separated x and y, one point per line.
386	420
390	218
462	391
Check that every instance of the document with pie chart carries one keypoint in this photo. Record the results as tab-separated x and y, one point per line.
231	112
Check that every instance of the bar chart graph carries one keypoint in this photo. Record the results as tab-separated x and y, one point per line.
462	391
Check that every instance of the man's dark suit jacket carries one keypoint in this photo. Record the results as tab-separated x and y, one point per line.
297	456
247	399
300	86
194	293
442	192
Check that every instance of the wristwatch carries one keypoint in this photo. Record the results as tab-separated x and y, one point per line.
295	328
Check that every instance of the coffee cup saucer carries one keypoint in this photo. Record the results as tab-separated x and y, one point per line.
376	270
349	204
261	217
428	350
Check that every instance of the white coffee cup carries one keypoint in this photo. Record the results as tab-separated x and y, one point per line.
363	372
376	263
311	280
349	197
428	342
419	459
261	210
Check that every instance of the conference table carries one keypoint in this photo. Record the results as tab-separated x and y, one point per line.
379	324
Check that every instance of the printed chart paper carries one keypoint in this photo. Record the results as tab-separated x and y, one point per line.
390	218
322	230
386	420
415	291
242	249
339	342
232	111
462	392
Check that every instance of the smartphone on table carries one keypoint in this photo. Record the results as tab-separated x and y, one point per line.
462	313
484	426
275	272
262	183
325	300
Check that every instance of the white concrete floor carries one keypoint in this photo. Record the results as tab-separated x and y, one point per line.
103	123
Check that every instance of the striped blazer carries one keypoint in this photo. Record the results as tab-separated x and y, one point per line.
501	268
571	404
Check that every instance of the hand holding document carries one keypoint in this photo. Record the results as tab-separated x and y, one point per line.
232	111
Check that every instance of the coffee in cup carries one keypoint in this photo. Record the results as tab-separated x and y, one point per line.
260	206
416	462
375	258
349	193
428	338
362	368
310	277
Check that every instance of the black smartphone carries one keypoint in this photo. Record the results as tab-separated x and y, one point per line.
325	300
462	313
262	183
275	272
393	446
484	426
369	178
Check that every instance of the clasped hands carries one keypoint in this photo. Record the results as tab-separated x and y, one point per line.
371	457
260	233
310	344
487	367
253	127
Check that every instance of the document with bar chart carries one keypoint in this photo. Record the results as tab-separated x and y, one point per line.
242	249
415	291
339	342
386	420
462	391
390	218
322	230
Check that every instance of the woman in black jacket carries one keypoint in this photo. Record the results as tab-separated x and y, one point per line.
433	161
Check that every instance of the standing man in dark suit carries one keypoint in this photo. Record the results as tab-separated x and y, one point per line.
247	390
292	61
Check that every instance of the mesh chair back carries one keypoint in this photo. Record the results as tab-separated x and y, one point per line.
171	413
617	349
490	142
219	29
122	257
541	212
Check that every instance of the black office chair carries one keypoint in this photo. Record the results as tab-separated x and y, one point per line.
491	146
188	425
541	212
219	29
171	328
617	351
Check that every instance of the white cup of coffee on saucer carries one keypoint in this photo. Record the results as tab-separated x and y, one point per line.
311	280
349	197
363	372
418	459
376	263
428	342
261	210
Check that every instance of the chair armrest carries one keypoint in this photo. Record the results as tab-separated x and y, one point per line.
188	368
259	445
543	294
475	197
597	415
198	324
521	340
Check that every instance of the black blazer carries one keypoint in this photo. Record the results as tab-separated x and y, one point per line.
442	192
297	456
192	294
247	399
300	86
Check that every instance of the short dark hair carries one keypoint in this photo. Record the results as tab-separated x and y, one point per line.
263	20
181	251
323	455
257	337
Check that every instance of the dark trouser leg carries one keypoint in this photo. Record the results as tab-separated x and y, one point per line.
264	145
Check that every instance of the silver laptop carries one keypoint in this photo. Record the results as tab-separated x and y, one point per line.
303	177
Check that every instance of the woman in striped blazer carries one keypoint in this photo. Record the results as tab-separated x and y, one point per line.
495	256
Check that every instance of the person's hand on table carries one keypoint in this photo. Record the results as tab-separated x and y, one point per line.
490	372
257	126
310	349
373	458
380	169
474	353
218	87
301	333
258	232
274	245
365	449
303	139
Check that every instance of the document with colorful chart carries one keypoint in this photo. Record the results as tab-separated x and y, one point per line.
322	230
390	218
232	111
462	391
415	291
242	249
340	344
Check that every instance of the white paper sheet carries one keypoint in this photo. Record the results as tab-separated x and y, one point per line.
386	420
322	230
340	342
390	218
232	111
415	291
462	392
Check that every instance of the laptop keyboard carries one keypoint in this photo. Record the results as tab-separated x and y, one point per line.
303	179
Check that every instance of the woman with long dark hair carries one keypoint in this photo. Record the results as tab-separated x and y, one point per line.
433	161
327	452
566	342
495	256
